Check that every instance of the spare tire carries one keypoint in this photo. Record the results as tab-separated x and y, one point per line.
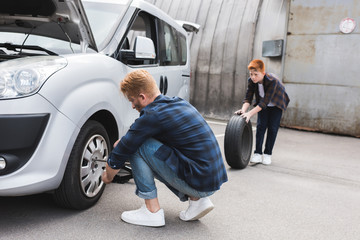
238	142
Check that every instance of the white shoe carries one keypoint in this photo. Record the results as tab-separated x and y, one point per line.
144	217
197	209
256	158
267	159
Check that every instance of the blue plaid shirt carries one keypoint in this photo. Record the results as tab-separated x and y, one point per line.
189	146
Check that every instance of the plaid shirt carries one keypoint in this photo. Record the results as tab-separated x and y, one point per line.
274	92
189	146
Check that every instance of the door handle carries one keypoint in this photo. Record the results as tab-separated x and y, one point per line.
161	84
165	85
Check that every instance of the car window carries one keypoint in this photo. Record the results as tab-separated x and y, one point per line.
137	29
171	56
54	45
173	49
183	49
103	19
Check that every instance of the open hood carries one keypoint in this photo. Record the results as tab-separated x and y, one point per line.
60	19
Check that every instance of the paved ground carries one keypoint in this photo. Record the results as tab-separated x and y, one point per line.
311	191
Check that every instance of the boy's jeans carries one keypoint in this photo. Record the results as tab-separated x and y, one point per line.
268	118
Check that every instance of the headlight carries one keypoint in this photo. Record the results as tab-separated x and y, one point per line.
23	77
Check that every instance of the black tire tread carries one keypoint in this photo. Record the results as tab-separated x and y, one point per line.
235	156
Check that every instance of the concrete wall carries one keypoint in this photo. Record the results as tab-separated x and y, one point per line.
321	67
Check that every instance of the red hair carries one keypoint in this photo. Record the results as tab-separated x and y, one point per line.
257	65
138	81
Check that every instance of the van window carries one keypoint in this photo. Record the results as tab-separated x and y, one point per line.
171	56
173	49
183	49
144	25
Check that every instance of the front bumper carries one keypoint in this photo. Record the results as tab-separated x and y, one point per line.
36	143
20	135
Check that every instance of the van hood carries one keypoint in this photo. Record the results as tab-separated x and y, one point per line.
61	19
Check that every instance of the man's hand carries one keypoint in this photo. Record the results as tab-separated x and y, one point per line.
109	174
105	178
116	143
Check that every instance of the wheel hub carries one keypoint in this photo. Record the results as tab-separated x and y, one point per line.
93	164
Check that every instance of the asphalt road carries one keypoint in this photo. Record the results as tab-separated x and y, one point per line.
311	191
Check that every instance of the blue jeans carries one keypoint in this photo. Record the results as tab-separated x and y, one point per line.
268	118
146	167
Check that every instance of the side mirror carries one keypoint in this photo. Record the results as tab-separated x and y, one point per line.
144	51
144	48
189	26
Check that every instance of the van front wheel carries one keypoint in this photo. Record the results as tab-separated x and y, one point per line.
82	186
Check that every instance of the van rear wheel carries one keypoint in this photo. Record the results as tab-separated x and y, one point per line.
82	186
238	142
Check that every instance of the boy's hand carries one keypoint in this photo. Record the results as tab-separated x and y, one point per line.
239	112
247	116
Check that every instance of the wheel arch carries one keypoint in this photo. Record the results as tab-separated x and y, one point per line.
109	122
82	175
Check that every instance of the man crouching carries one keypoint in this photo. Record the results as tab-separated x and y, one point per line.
170	141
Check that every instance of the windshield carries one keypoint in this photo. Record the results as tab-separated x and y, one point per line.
54	45
104	17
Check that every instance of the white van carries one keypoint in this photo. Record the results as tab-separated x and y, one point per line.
61	110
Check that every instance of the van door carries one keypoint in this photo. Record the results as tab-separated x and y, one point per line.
173	59
170	68
145	25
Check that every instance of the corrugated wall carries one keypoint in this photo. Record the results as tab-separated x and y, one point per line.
318	67
220	51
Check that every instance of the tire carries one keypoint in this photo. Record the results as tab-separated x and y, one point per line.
238	142
82	186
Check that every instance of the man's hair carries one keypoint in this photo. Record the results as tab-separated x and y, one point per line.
257	65
138	81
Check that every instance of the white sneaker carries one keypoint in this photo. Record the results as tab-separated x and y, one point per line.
267	159
256	158
144	217
197	209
